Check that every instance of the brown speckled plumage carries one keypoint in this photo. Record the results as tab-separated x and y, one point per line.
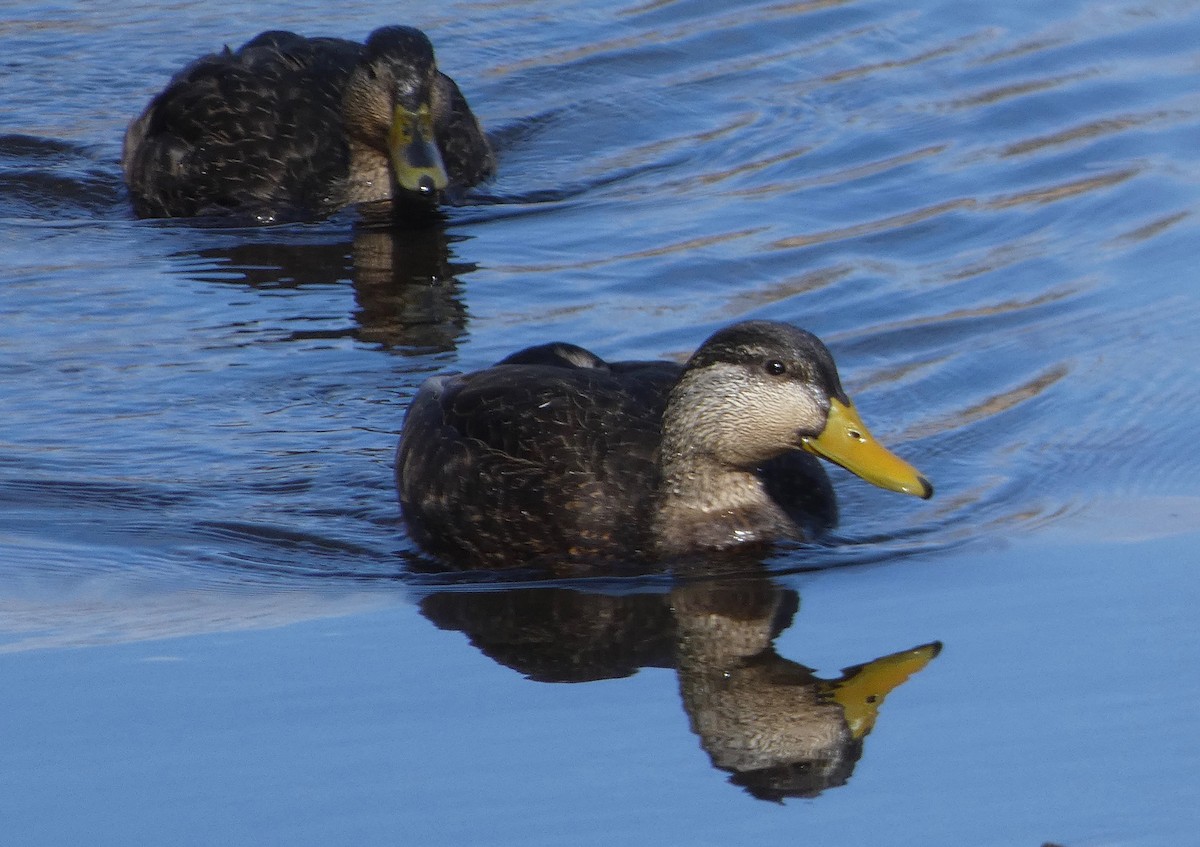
555	454
288	127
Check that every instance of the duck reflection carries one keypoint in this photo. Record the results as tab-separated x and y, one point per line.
406	290
776	727
407	294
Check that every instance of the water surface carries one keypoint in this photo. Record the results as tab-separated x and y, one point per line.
215	629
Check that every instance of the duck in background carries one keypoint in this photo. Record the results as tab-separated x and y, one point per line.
291	128
554	454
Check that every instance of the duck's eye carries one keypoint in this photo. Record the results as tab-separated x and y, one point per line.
775	367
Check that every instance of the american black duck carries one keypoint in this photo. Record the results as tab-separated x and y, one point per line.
555	454
289	127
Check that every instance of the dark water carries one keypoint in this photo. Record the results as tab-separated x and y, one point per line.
215	630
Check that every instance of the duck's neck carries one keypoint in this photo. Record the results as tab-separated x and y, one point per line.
703	503
370	176
703	510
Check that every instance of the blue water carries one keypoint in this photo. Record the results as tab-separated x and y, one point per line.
213	628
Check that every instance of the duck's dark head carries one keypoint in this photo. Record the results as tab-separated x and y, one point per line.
391	96
757	389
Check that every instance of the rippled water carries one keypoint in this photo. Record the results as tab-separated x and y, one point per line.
986	210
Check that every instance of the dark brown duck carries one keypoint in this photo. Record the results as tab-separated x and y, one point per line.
555	454
289	127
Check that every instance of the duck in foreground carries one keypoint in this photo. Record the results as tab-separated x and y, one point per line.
289	127
555	454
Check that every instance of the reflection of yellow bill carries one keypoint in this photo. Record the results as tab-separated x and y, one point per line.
846	441
416	159
861	690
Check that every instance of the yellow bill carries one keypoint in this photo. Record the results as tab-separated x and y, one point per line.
846	441
416	160
861	690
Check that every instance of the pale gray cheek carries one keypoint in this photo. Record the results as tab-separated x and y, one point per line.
800	408
820	406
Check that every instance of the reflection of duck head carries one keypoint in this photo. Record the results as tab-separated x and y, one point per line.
779	729
294	127
556	453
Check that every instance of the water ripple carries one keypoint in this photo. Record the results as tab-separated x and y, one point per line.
986	213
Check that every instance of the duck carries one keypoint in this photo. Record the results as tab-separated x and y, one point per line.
294	128
555	455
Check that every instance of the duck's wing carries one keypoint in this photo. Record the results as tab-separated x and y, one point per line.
559	354
797	481
466	152
258	130
529	460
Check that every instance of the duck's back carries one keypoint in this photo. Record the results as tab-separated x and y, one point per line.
258	131
552	454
